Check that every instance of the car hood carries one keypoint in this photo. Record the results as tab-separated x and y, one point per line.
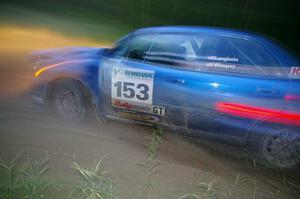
50	56
63	52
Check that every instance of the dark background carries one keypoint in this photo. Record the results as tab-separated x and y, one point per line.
277	19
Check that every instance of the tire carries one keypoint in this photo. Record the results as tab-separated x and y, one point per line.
70	101
275	146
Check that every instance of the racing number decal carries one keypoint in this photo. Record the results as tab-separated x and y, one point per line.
133	85
130	90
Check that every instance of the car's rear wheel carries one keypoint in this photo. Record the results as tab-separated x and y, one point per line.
276	146
69	101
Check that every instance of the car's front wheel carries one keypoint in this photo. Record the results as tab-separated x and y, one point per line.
69	101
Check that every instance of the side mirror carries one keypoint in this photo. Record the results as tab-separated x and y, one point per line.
107	51
136	54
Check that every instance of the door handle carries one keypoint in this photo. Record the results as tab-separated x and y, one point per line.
265	90
177	81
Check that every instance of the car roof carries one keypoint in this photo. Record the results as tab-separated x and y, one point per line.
286	58
200	29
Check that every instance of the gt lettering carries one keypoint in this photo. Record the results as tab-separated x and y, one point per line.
158	110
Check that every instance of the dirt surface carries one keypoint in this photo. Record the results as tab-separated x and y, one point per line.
31	130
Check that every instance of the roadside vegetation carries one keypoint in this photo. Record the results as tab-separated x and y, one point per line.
24	180
152	163
28	179
93	183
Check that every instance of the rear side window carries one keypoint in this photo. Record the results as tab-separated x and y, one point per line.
241	51
237	55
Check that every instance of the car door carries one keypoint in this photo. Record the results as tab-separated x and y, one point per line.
141	87
238	75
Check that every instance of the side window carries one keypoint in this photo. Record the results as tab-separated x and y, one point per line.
171	49
139	46
133	47
238	55
120	47
218	50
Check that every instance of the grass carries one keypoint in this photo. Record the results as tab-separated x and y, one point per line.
151	164
284	185
206	189
33	179
26	180
234	189
12	180
93	184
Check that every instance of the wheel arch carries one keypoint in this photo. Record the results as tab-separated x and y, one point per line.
87	92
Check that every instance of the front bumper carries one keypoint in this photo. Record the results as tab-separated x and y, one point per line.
37	99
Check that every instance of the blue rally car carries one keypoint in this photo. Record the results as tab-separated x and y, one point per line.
225	85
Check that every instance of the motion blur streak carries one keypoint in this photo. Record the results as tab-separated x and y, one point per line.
26	39
17	42
252	112
52	66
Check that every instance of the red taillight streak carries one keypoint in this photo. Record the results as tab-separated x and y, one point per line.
252	112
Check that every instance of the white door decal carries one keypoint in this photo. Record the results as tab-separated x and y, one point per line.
132	85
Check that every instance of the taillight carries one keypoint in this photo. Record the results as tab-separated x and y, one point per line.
257	113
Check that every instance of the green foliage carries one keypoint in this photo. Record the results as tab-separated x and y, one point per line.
12	182
26	180
33	181
93	184
269	17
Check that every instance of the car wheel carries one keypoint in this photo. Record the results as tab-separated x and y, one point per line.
69	101
275	146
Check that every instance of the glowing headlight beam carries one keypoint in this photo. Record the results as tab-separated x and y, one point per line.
40	71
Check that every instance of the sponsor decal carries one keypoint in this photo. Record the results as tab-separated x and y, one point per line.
295	72
120	104
152	109
139	116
